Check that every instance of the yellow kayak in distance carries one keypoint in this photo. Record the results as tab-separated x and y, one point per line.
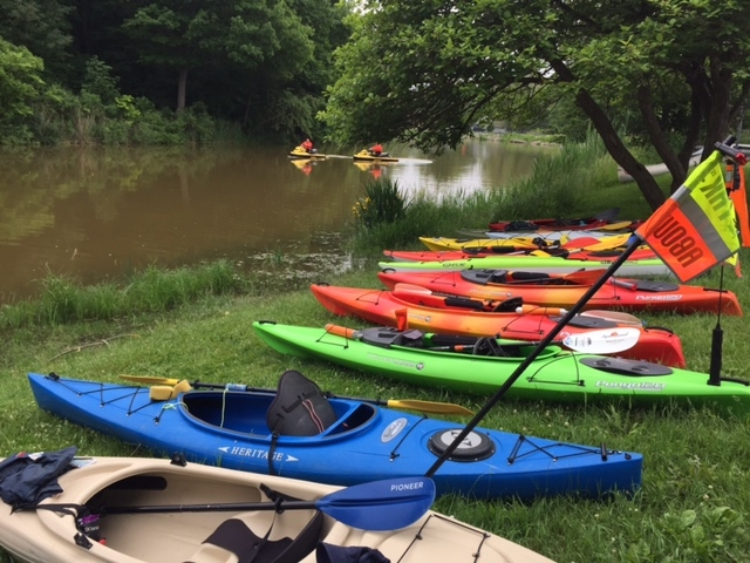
300	153
364	155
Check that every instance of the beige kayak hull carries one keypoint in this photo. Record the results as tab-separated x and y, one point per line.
44	536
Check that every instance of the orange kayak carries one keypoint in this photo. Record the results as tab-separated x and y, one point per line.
421	309
565	290
448	255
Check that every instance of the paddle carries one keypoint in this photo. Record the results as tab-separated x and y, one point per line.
613	316
432	407
376	506
606	341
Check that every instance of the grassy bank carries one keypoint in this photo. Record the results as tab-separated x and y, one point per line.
197	325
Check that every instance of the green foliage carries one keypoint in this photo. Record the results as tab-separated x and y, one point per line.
672	71
43	27
383	203
20	88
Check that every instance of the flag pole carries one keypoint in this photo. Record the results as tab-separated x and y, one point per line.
633	244
717	341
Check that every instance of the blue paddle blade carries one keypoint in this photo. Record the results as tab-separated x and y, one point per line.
380	505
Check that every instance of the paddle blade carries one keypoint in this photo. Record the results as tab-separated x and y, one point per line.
432	407
615	316
378	506
607	341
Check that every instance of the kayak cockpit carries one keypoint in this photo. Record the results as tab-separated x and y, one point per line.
387	337
246	413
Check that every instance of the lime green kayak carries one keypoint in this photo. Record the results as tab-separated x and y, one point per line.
556	264
481	365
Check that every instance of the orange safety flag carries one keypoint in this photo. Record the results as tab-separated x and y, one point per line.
694	230
735	183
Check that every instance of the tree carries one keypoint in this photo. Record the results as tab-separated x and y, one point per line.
423	71
20	87
42	27
237	36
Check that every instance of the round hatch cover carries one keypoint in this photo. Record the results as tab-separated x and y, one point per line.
474	447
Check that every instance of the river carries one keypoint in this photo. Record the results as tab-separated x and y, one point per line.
96	214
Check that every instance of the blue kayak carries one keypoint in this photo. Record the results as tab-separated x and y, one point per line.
297	431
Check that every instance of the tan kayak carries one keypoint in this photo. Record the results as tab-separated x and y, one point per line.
152	510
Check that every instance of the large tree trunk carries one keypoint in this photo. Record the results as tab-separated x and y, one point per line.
612	142
622	156
181	89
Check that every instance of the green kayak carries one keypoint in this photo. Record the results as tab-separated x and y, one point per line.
481	365
556	264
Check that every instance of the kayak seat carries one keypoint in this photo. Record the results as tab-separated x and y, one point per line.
300	408
385	337
530	276
464	302
234	541
485	276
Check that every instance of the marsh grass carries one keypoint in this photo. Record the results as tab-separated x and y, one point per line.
694	501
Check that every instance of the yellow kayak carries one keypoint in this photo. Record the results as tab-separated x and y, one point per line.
299	152
366	156
439	244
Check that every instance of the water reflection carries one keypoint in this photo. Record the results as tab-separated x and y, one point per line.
97	213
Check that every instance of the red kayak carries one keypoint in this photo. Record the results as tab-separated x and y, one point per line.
431	312
565	290
605	220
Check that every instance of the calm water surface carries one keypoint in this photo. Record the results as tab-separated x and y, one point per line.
95	214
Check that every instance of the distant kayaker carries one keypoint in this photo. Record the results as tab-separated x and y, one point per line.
307	144
376	149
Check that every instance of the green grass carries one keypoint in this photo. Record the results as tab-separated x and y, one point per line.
691	508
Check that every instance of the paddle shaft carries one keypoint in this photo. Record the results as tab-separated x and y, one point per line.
226	507
377	505
546	341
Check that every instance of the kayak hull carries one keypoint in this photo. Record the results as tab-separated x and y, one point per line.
382	307
365	443
555	291
301	154
496	245
364	156
44	536
555	375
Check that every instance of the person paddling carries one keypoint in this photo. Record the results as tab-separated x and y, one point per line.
307	144
376	149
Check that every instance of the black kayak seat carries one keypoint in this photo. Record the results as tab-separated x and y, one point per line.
485	276
235	536
465	303
588	322
530	276
300	408
390	336
647	285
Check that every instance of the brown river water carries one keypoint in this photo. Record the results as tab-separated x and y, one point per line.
96	214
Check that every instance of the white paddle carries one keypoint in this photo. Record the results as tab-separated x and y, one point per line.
606	341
